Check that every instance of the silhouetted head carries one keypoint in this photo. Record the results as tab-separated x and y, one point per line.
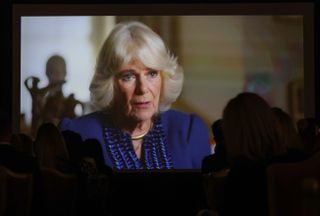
289	132
217	131
251	129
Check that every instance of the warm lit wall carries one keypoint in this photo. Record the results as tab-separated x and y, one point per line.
219	54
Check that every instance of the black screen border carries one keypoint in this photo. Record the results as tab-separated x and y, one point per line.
306	9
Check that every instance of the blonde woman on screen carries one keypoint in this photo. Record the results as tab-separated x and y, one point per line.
135	82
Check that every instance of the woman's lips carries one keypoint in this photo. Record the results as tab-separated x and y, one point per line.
141	105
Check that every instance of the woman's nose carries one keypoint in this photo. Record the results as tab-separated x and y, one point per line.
141	87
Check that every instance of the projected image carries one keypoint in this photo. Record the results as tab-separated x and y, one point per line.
159	87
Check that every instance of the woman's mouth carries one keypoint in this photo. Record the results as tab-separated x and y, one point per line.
141	105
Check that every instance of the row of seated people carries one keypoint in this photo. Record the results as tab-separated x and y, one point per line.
260	156
251	138
58	174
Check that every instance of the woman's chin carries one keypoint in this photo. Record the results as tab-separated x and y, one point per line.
143	115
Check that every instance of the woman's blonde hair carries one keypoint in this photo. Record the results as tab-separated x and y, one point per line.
126	42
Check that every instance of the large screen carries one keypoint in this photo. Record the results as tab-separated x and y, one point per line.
224	49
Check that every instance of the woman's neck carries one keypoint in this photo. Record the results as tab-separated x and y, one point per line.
133	127
140	128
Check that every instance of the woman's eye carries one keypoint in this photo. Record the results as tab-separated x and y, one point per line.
127	76
153	73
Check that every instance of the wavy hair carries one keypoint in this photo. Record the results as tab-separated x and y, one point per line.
128	41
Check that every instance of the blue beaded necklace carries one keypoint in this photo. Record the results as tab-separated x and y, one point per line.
154	149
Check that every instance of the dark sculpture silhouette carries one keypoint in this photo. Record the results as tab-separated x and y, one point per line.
49	103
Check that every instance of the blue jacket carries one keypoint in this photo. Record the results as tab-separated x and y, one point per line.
186	136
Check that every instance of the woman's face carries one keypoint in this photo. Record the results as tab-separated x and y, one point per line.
137	91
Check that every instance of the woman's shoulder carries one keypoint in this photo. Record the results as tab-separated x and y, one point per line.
172	116
89	121
85	118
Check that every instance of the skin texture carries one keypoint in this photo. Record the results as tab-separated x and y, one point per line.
137	95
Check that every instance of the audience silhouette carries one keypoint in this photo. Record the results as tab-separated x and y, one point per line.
249	138
51	150
253	139
308	129
295	150
218	160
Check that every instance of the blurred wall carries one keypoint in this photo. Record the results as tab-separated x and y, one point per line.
225	55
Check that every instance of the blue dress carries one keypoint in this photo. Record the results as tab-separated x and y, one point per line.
176	141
